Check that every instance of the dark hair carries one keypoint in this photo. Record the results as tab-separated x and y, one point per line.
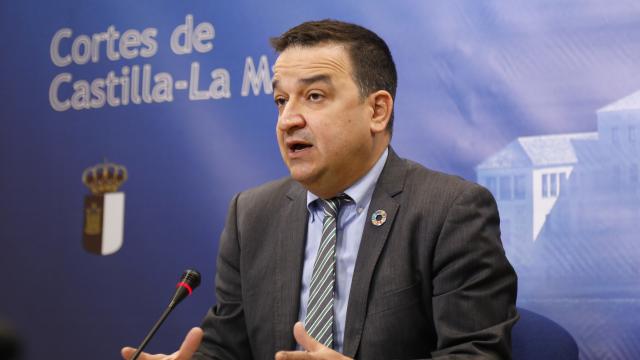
370	56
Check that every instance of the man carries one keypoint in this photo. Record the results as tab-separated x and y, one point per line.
415	265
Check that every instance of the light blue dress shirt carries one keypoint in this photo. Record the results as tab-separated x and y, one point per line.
351	221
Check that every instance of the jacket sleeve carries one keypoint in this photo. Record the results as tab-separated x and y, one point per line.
474	286
225	333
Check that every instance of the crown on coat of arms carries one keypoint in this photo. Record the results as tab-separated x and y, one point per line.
104	178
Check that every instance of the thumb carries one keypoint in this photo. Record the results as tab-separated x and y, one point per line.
190	344
127	352
304	339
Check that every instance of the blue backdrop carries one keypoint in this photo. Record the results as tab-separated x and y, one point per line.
494	91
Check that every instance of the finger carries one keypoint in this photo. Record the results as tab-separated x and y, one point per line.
190	344
127	353
304	339
293	355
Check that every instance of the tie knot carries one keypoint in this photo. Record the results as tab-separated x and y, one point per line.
332	206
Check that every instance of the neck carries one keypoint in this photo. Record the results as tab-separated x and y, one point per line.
327	190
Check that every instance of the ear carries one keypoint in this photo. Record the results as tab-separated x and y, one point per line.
382	105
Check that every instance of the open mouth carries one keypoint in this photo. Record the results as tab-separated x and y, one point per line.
298	147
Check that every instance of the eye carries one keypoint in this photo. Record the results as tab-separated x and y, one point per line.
315	96
280	101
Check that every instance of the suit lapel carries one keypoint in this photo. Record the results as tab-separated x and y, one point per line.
374	238
289	259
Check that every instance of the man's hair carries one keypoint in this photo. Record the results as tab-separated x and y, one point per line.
370	56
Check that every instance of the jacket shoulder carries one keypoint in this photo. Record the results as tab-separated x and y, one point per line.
438	185
419	173
269	194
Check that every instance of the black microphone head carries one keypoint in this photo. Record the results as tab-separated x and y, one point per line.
190	277
189	280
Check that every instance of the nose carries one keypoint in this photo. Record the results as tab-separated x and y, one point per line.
291	118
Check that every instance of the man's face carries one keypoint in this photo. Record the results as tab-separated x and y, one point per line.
323	123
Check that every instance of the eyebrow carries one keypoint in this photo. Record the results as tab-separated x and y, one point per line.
310	80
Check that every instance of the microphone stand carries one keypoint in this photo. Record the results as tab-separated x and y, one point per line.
190	280
153	330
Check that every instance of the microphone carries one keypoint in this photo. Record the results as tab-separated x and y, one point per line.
188	282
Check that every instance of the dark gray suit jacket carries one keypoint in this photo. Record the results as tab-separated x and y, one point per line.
432	281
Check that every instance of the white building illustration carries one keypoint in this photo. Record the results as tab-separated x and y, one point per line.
567	182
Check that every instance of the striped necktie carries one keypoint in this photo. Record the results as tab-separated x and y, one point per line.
319	318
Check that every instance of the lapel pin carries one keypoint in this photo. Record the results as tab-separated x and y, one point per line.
378	217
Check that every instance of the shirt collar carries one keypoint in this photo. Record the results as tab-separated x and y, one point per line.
362	190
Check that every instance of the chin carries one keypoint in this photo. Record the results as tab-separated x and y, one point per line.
303	177
298	177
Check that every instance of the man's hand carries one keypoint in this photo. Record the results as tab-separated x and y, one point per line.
314	350
188	347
